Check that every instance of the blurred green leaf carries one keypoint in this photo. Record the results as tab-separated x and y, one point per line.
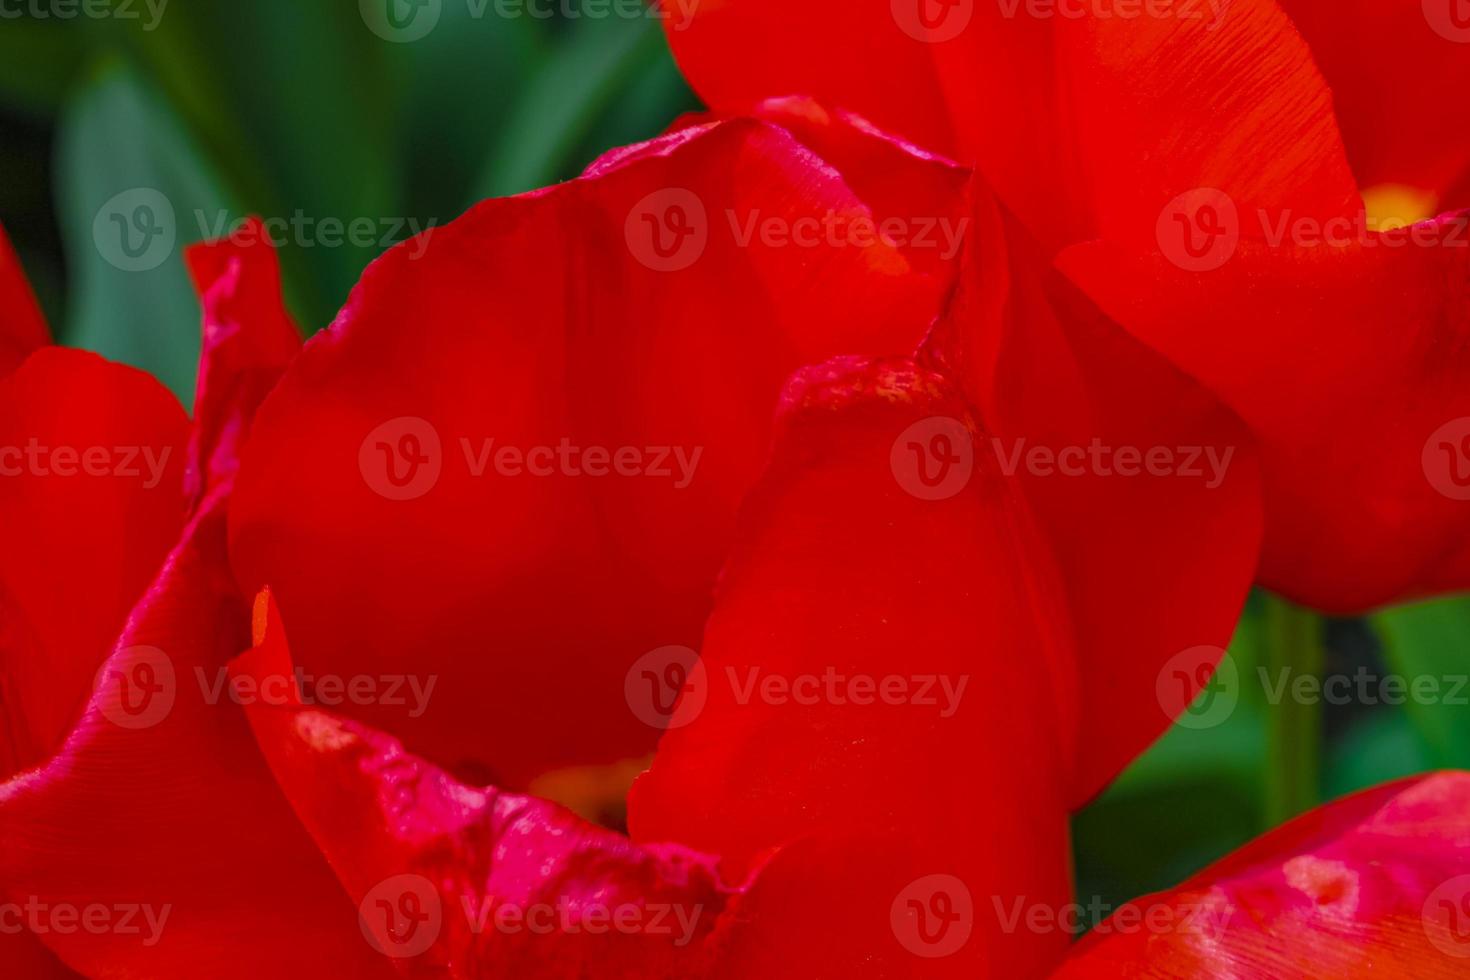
129	186
288	99
1131	844
1193	797
41	58
564	101
1432	641
654	98
457	87
1381	746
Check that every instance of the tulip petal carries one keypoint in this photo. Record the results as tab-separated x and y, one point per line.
881	659
91	464
1392	68
1374	885
1351	364
22	327
22	957
160	804
1147	487
507	885
739	53
1223	96
1088	126
511	343
249	339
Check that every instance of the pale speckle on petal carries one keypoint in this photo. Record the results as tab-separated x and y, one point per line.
1331	885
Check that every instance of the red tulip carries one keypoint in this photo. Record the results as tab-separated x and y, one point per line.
1126	141
969	621
883	478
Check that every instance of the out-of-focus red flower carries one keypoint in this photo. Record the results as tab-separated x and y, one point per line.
1139	138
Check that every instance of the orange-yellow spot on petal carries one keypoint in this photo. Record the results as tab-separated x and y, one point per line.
1393	206
595	793
260	613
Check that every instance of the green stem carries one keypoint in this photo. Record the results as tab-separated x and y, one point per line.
1293	649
